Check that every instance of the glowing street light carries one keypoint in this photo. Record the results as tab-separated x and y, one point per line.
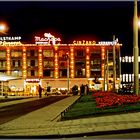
3	28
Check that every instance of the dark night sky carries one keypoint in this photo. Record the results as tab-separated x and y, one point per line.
99	20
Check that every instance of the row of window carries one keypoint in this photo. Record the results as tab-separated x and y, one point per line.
50	64
50	53
50	73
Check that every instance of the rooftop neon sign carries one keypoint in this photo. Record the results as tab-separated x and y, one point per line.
93	42
10	41
47	39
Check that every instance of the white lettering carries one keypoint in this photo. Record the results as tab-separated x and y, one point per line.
84	42
48	39
10	38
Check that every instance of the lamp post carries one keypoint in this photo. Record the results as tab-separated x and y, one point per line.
135	50
114	65
68	72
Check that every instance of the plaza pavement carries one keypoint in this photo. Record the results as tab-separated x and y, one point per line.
43	123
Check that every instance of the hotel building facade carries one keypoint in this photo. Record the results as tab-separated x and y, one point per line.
48	62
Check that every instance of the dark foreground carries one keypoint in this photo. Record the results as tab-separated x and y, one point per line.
11	112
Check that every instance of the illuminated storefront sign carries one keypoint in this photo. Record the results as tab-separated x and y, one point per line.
10	41
47	39
86	42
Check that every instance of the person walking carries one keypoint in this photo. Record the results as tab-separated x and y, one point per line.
40	91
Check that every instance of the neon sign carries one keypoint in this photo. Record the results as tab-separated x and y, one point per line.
10	41
10	38
86	42
14	43
108	42
47	39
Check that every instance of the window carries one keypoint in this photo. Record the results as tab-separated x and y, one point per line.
63	73
96	54
48	73
80	72
80	64
13	63
32	73
48	64
2	64
32	53
2	54
48	53
32	63
63	64
16	53
80	53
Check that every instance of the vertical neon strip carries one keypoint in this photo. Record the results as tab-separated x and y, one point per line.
103	58
72	62
40	68
56	62
87	62
8	61
24	67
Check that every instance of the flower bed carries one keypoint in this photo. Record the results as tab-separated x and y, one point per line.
109	99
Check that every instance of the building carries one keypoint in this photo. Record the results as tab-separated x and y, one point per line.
48	62
127	76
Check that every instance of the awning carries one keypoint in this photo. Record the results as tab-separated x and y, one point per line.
4	77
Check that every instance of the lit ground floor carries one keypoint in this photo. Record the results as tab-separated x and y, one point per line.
30	86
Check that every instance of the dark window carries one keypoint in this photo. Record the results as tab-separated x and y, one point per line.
80	63
79	72
18	62
32	73
32	62
47	72
80	53
64	72
32	53
13	62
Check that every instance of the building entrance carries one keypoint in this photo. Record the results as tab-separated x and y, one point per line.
31	87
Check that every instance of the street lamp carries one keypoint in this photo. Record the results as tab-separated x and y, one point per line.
135	50
114	65
68	71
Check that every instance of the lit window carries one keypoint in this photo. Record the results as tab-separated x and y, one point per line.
126	58
130	59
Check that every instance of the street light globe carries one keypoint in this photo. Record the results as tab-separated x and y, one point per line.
2	27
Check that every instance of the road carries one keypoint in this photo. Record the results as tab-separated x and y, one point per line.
14	111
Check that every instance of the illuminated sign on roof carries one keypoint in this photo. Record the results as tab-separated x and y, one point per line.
10	41
47	39
6	38
87	42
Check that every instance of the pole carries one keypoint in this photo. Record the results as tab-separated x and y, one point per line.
114	65
68	72
107	74
104	75
120	67
135	50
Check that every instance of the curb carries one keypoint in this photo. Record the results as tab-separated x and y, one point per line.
98	133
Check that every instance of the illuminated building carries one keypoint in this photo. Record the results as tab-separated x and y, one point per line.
127	76
45	62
